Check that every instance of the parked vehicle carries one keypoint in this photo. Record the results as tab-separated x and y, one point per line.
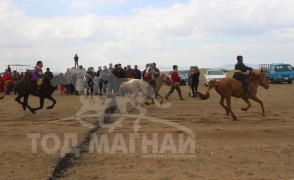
213	74
278	72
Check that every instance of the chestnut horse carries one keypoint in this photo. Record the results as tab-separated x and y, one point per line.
228	87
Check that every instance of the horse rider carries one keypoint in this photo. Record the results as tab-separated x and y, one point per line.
37	75
239	71
156	75
175	78
151	74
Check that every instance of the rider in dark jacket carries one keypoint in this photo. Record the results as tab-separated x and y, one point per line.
240	68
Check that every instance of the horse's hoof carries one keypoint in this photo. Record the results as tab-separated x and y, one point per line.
49	107
146	103
263	114
33	112
235	119
243	109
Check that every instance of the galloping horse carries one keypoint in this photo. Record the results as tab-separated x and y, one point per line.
228	87
135	86
159	82
25	87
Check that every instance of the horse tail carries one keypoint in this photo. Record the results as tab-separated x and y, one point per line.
211	84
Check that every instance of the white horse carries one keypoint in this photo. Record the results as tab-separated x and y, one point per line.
136	86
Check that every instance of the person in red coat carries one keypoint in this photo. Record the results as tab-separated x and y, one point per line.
175	78
1	83
7	81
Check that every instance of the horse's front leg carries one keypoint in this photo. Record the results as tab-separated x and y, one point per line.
261	104
54	102
161	98
248	104
33	110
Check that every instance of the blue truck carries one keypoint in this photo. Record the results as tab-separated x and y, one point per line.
278	72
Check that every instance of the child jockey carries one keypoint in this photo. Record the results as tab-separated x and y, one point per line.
38	75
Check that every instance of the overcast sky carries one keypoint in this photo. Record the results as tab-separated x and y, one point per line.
207	33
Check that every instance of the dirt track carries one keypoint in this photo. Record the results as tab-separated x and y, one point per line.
254	147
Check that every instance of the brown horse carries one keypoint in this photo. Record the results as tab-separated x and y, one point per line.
159	82
229	87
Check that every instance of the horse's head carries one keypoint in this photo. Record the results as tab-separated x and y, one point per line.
166	79
260	78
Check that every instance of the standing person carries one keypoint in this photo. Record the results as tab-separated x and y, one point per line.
130	73
110	67
105	77
121	76
76	58
175	83
1	83
137	72
7	81
69	83
98	74
194	80
37	75
240	68
15	77
9	69
111	78
80	81
90	80
48	74
61	84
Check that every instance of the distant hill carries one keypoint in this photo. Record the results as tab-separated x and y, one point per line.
232	66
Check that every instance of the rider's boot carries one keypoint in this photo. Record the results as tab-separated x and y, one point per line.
180	95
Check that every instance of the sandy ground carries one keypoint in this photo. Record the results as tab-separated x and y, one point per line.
254	147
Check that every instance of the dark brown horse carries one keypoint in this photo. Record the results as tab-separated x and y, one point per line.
229	87
25	87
